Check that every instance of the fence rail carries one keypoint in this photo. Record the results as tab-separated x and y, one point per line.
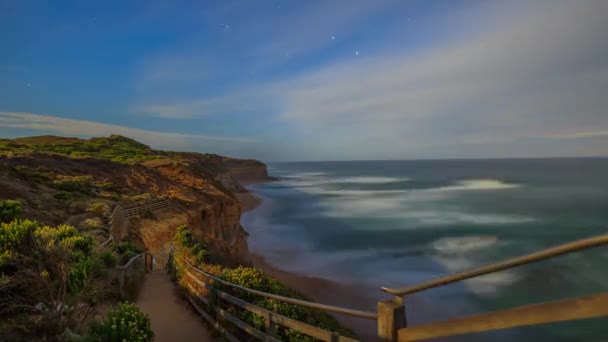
271	318
119	219
128	273
391	317
511	263
138	210
557	311
548	312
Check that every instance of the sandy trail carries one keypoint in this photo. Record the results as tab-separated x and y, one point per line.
171	316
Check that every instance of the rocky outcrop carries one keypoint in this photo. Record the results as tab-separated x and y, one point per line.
246	170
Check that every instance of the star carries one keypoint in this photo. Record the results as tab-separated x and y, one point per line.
333	38
356	53
29	84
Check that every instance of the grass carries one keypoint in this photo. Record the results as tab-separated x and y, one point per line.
114	148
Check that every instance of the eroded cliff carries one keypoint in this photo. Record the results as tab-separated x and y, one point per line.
60	180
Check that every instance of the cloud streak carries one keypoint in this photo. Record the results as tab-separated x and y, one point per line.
541	71
83	128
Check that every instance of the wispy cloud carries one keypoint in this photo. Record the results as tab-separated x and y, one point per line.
541	71
578	135
83	128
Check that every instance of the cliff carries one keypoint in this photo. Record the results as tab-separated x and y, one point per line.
71	180
246	170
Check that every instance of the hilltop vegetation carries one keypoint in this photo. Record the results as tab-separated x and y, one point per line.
114	148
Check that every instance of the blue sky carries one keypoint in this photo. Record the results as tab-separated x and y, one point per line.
312	80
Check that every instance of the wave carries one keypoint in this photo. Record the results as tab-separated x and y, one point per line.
488	284
458	245
478	184
367	180
305	174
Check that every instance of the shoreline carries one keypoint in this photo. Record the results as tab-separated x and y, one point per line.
317	289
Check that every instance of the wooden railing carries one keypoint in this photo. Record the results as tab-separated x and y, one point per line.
119	219
272	319
129	272
391	314
140	209
391	318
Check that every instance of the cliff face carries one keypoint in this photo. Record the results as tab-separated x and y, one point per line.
246	170
59	187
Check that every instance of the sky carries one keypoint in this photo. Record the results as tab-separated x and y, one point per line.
288	80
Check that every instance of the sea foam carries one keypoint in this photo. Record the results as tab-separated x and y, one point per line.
478	184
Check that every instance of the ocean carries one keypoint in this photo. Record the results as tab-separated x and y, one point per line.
397	223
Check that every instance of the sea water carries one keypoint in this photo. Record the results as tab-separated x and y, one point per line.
397	223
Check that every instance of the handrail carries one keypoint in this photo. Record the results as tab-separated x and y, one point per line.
507	264
105	243
123	269
331	308
125	266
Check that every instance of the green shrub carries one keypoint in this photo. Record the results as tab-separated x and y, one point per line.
9	210
108	259
126	250
79	184
199	253
63	196
67	238
13	235
78	274
99	208
124	323
106	185
184	236
40	177
53	269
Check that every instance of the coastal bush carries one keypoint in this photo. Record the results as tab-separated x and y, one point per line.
184	236
99	208
12	236
126	250
9	210
77	184
123	323
108	259
105	185
67	238
63	196
52	278
115	148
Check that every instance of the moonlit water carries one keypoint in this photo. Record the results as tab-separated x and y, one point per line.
393	223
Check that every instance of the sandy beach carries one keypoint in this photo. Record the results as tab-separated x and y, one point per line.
319	289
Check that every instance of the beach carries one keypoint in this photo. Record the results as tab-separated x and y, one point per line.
318	289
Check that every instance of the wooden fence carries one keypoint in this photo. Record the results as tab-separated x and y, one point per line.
131	273
394	326
119	219
271	318
391	318
140	209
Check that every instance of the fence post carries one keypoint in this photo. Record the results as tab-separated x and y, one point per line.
391	317
121	283
271	329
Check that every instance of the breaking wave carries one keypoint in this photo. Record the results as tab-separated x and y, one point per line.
478	184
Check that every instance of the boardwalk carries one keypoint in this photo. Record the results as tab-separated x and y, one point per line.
172	318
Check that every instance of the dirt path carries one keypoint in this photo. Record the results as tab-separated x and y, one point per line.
171	317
